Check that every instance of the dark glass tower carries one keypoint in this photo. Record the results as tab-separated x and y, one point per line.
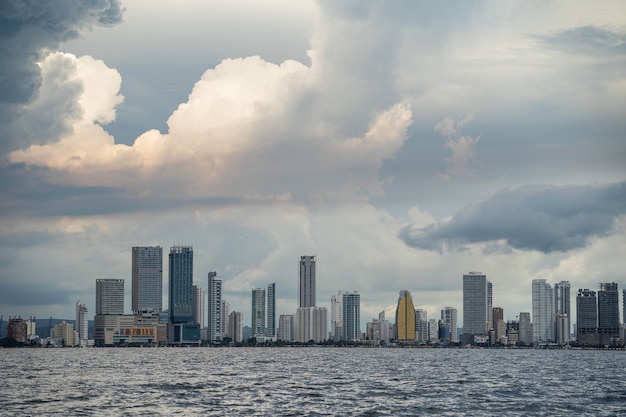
181	284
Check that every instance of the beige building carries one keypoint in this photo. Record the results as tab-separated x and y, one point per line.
111	330
64	331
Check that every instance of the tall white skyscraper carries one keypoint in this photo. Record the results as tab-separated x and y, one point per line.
82	322
312	324
270	330
198	306
225	317
421	325
475	304
351	316
214	315
147	278
287	327
258	312
307	281
449	317
563	313
336	315
235	326
109	296
543	311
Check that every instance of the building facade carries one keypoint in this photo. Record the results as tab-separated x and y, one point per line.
307	281
215	327
235	326
109	296
405	318
608	314
351	316
449	317
543	312
270	330
147	278
336	315
198	306
181	284
525	329
586	317
421	325
287	327
311	324
475	304
258	312
82	323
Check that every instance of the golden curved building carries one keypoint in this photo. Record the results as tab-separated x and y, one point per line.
405	318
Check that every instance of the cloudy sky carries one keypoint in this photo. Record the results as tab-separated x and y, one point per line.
403	143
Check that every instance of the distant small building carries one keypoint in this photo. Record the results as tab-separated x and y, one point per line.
17	329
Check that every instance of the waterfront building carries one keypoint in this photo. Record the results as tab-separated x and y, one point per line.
562	309
140	329
351	316
225	310
287	327
214	317
449	317
109	296
258	312
235	326
421	325
499	326
336	315
433	330
82	323
543	312
198	305
608	314
490	320
475	305
525	329
311	324
562	334
17	328
586	317
64	331
182	329
307	281
405	318
147	278
270	330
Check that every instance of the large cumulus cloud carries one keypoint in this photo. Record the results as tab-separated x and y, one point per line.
542	218
29	29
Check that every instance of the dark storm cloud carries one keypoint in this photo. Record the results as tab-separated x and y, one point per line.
542	218
28	28
586	40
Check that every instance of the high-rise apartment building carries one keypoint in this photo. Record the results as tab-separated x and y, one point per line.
405	318
499	326
287	327
82	323
336	315
270	330
421	325
198	306
307	281
525	329
586	317
147	278
235	326
311	324
543	311
181	284
351	316
475	305
215	327
109	296
225	317
449	317
258	312
490	320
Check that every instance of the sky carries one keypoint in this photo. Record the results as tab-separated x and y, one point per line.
401	143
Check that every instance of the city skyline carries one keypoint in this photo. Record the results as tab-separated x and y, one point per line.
400	143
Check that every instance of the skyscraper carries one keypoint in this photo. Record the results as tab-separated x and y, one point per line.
287	327
421	325
307	281
449	317
351	316
311	324
109	296
336	315
405	318
235	326
543	311
586	317
147	278
82	323
525	329
475	304
490	320
608	313
258	312
214	317
198	305
270	330
181	284
225	317
563	311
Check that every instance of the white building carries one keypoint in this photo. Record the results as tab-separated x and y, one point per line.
421	325
82	324
198	306
287	327
235	326
225	317
449	317
307	281
543	311
312	324
336	315
214	316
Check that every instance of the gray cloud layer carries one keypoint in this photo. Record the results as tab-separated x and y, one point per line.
542	218
28	28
